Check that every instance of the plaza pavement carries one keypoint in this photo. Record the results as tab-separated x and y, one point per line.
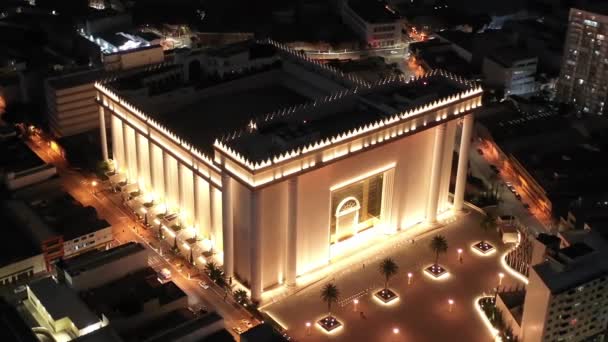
421	313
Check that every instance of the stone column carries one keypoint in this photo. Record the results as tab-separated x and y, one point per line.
463	162
125	143
151	163
292	229
212	218
180	186
431	208
166	167
195	215
387	201
138	172
255	249
104	137
227	226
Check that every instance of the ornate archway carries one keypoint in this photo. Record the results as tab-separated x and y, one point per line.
347	217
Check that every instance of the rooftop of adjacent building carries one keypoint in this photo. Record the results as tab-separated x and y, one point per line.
12	325
262	332
584	259
21	245
373	11
508	56
71	80
16	156
60	301
178	323
49	215
91	260
105	334
126	297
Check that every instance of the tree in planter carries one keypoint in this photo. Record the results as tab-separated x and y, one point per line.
215	273
438	245
488	223
388	268
240	296
330	295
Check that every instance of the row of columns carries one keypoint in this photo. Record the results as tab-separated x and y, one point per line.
461	175
137	167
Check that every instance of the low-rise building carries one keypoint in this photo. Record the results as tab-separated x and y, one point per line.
135	299
60	310
511	69
96	268
182	325
375	22
20	259
20	166
60	225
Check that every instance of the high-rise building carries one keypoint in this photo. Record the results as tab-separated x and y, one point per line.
584	70
567	298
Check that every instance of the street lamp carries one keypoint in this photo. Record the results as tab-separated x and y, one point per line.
355	302
395	331
308	328
451	304
460	255
500	276
409	278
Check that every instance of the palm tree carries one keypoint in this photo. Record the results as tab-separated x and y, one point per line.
488	223
438	245
215	273
388	268
330	294
240	296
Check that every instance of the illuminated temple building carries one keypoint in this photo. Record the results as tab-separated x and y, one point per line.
277	164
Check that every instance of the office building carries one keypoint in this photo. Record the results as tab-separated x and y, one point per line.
511	70
375	22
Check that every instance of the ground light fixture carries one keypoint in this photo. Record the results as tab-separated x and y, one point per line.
450	304
500	277
409	278
395	331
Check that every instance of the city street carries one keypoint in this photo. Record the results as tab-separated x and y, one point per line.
422	312
108	208
510	205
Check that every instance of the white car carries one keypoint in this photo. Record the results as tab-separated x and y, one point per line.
203	285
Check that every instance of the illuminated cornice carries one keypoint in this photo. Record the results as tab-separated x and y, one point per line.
157	126
396	118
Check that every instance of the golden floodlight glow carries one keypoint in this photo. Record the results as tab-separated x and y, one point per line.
493	331
514	273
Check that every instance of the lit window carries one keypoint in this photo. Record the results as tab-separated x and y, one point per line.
590	23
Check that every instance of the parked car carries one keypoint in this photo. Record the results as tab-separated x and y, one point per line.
203	285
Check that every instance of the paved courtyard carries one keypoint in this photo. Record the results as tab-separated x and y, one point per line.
422	311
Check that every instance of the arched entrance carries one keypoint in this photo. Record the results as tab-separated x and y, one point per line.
347	217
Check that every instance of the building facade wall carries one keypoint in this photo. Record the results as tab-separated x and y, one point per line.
22	270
